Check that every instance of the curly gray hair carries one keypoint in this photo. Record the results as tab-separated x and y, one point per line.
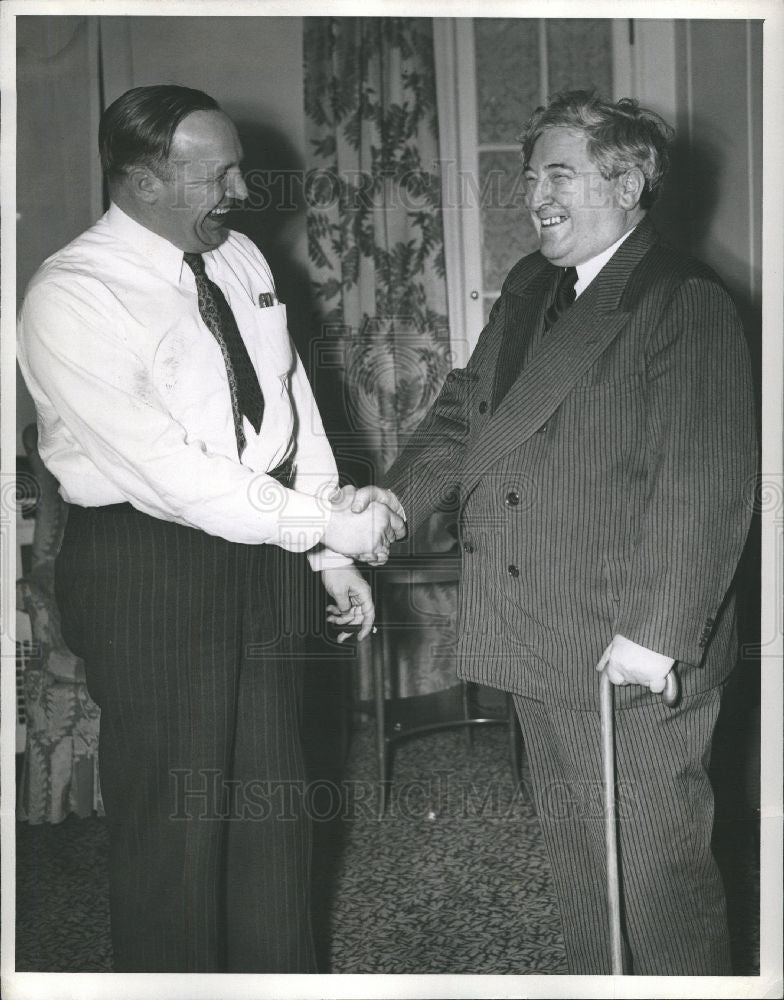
621	135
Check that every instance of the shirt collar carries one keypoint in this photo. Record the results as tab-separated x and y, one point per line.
588	270
164	256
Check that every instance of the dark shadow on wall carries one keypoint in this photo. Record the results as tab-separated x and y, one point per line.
274	217
670	212
684	214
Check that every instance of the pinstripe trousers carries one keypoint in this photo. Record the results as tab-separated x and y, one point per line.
674	918
200	760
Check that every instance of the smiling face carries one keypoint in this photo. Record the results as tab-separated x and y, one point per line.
577	212
204	181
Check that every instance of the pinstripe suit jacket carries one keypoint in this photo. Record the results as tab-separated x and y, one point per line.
609	491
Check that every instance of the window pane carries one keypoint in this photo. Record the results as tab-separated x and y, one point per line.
579	54
507	230
507	75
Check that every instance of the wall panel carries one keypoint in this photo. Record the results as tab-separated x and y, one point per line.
58	186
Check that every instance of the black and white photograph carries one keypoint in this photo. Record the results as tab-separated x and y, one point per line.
392	499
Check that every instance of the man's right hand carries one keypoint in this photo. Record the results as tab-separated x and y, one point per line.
366	534
360	500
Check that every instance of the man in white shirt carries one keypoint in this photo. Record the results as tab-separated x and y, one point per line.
601	441
180	424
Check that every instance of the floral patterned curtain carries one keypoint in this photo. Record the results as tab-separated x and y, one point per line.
376	250
375	237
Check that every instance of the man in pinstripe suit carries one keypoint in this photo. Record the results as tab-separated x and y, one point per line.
601	442
178	419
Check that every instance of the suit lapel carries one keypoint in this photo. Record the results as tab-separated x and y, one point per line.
568	351
523	319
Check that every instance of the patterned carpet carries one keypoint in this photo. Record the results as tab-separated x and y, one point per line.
453	879
431	887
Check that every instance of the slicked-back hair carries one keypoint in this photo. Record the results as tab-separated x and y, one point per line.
620	135
138	128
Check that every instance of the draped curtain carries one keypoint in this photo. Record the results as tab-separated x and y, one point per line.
375	237
376	253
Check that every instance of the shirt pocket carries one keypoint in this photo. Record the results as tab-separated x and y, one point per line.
267	338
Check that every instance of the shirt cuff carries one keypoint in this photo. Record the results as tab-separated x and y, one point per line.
279	516
323	558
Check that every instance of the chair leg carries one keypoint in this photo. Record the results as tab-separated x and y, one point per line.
515	740
377	652
468	730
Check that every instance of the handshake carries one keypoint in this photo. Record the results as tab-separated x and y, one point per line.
364	522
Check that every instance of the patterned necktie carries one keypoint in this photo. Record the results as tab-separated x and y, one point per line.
564	297
246	395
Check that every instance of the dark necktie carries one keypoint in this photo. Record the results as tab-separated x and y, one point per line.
564	296
519	344
246	395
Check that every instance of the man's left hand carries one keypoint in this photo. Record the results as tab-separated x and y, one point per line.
353	600
629	663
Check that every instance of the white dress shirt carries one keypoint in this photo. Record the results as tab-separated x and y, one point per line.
588	270
132	393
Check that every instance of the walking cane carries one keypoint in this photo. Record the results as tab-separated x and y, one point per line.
670	697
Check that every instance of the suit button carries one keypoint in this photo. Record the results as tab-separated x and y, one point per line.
512	498
513	571
468	547
483	407
542	429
